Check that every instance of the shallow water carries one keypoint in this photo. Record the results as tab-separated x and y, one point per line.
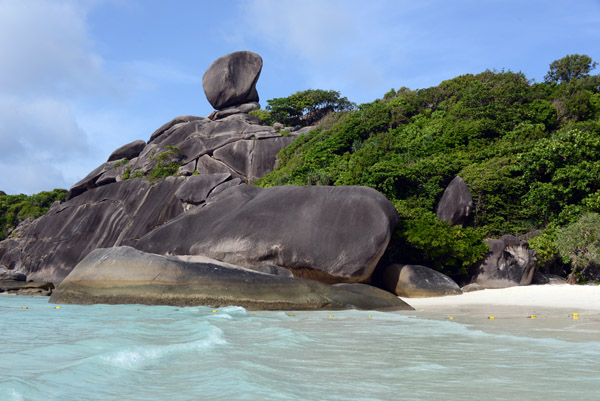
135	352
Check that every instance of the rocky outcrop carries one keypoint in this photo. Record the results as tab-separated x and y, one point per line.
129	151
125	275
509	263
184	193
332	234
231	80
456	204
417	281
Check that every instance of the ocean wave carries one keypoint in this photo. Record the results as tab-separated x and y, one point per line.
138	357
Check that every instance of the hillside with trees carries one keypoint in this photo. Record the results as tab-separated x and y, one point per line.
529	152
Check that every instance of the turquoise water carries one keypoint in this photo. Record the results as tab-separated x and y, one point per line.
135	352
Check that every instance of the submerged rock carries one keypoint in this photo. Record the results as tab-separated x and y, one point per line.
330	234
126	275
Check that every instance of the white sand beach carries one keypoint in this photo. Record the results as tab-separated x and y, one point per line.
564	296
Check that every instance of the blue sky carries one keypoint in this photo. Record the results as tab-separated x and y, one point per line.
78	79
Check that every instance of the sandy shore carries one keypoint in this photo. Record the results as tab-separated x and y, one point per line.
572	297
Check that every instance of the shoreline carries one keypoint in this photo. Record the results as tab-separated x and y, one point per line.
519	299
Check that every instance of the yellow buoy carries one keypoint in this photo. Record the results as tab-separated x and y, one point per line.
575	314
491	317
451	318
370	315
57	307
26	307
214	310
291	314
330	315
575	317
532	316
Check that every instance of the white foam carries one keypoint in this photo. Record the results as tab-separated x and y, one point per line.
140	356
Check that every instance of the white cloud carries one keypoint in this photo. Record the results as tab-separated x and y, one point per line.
45	48
47	64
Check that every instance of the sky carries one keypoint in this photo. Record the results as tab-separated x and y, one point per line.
80	78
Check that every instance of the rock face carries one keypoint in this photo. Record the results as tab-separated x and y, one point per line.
184	193
332	234
509	263
456	204
26	288
231	80
128	151
126	275
418	281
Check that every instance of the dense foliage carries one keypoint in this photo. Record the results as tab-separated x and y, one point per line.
579	244
303	108
16	208
529	152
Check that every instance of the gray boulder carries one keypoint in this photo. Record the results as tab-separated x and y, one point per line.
456	204
125	275
129	151
106	216
231	80
331	234
196	188
547	278
509	263
418	281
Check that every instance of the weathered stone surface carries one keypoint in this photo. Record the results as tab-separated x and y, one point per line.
102	217
89	181
418	281
167	126
379	298
252	158
456	204
231	80
227	184
187	169
332	234
229	111
128	151
125	275
26	288
510	262
472	287
12	275
273	269
196	188
547	278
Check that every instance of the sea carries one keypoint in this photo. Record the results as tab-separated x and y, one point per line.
138	352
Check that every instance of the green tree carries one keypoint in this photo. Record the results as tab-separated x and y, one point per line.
572	66
579	244
307	107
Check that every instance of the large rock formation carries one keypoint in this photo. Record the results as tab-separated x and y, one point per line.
417	281
184	193
509	263
126	275
231	80
456	204
332	234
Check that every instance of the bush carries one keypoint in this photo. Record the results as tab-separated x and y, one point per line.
579	245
